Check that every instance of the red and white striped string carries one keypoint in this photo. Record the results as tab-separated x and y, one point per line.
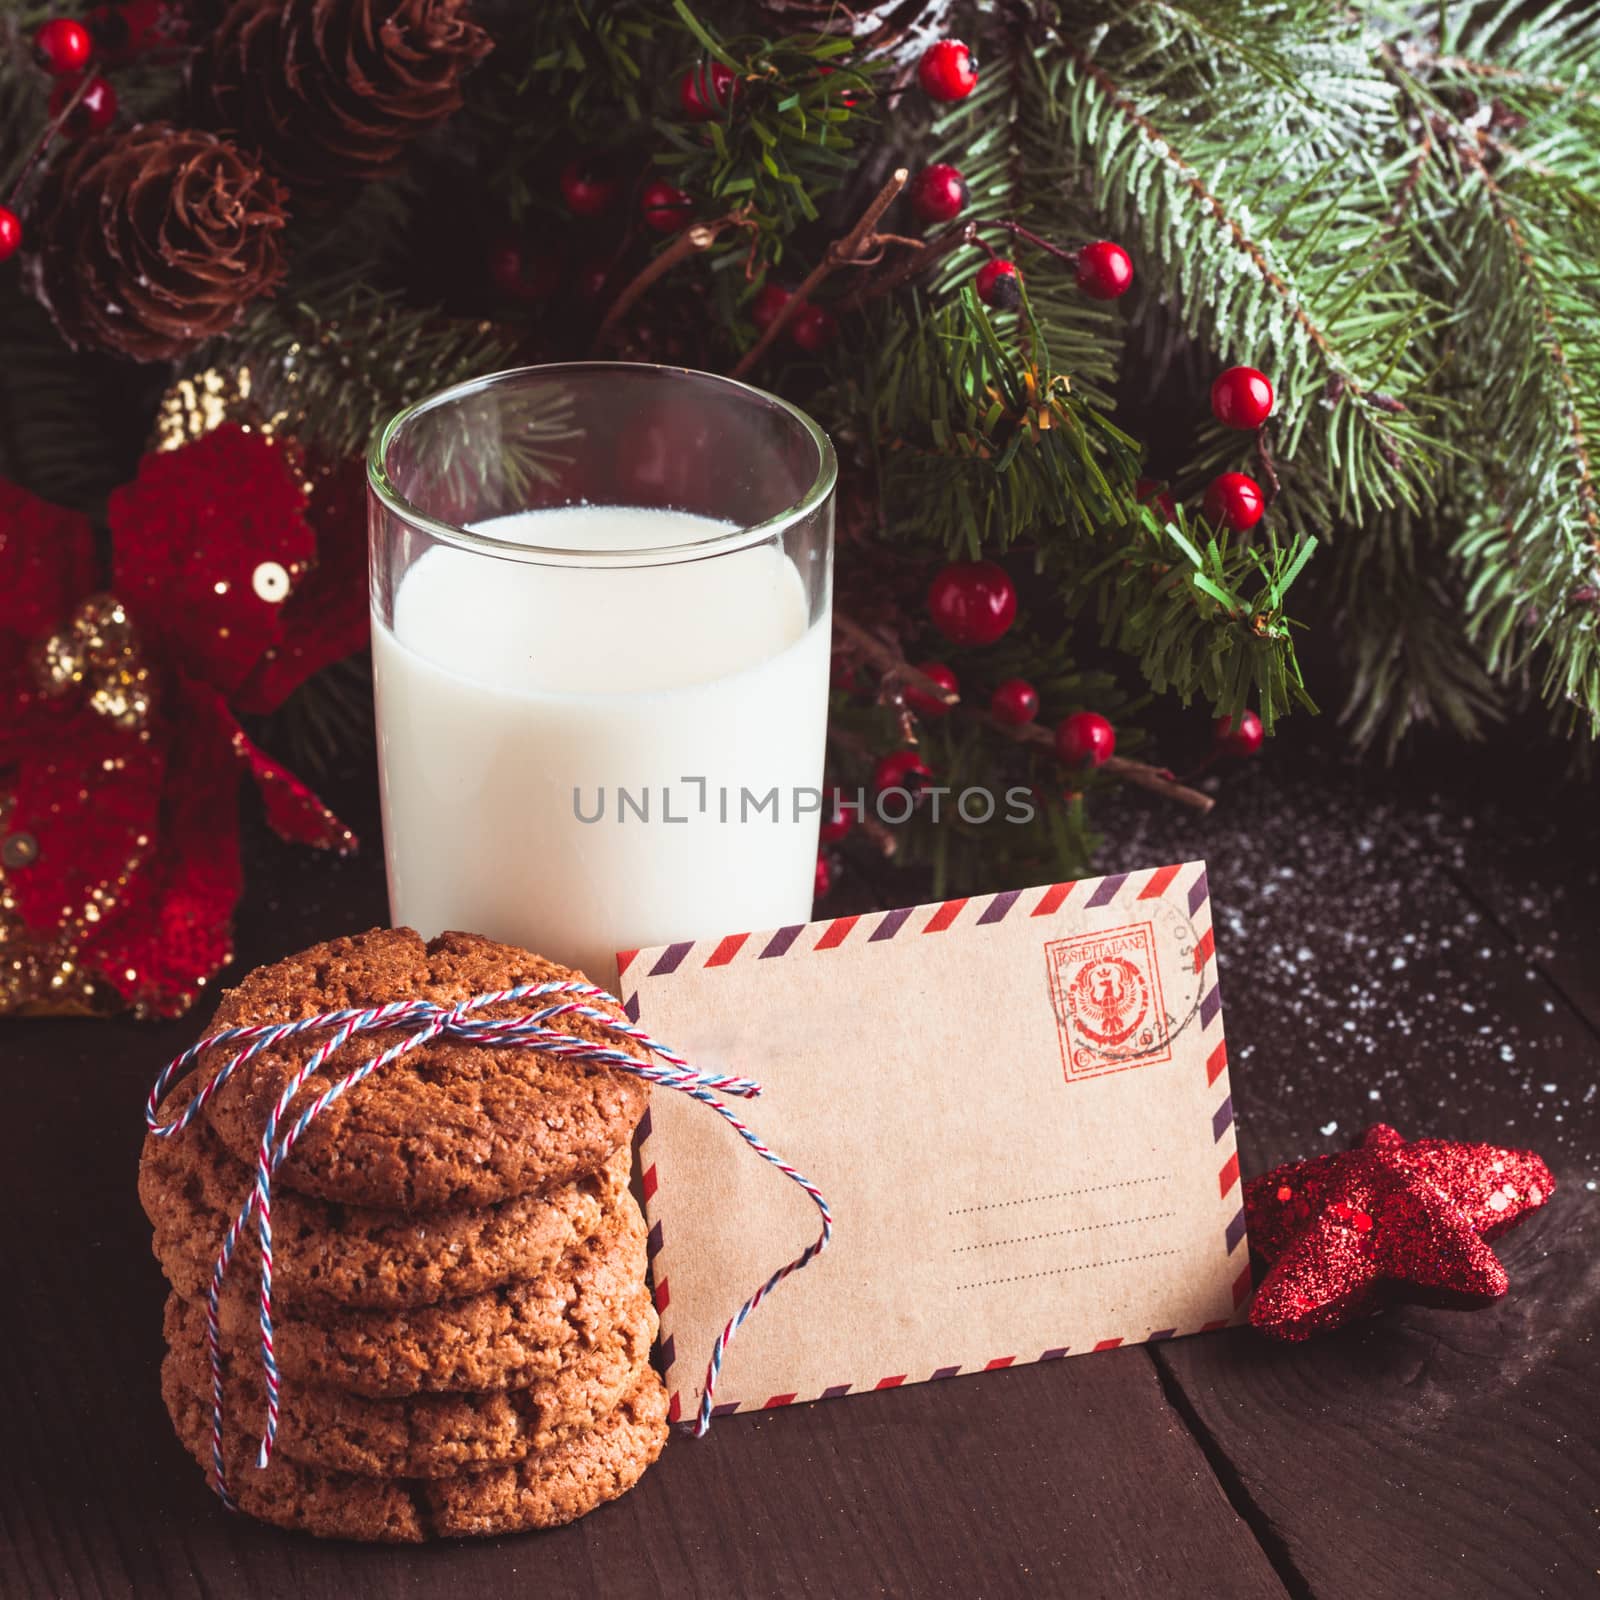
419	1022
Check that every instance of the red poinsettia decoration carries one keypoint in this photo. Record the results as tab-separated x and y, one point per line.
232	581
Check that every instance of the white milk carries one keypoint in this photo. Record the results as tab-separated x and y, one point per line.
505	685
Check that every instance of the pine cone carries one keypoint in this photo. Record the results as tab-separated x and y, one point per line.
154	239
332	91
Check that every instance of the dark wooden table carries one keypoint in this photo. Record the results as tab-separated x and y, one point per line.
1432	960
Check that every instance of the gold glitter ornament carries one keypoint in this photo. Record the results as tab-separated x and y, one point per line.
123	697
99	649
103	632
57	664
200	402
39	975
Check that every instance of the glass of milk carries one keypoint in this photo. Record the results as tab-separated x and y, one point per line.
601	606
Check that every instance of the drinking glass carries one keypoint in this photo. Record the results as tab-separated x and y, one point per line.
601	607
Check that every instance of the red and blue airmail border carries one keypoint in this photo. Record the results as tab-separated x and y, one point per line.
1116	1009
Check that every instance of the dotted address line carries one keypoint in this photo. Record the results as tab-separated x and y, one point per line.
1056	1233
1059	1194
1055	1272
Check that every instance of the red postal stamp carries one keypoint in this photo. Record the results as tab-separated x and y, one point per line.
1105	989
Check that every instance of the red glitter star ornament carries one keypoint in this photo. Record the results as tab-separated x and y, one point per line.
1391	1219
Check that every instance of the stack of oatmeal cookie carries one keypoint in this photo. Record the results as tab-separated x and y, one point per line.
462	1323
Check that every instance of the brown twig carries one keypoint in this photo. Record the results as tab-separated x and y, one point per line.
1484	69
1269	467
52	127
1018	231
859	242
884	656
889	661
884	838
694	240
933	251
1158	780
1408	189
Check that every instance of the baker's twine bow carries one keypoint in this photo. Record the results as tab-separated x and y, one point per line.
423	1021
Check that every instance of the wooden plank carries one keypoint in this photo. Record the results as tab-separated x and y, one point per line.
1536	870
1428	1451
1360	983
1075	1477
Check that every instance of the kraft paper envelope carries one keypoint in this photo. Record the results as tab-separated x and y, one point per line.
1016	1105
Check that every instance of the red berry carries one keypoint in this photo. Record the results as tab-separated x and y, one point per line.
1015	702
1241	398
10	233
1236	500
901	769
586	192
664	208
812	328
947	71
846	99
1150	493
999	284
1241	738
706	91
94	113
62	46
919	699
1105	270
132	28
972	602
824	879
765	307
836	820
1085	739
527	275
938	193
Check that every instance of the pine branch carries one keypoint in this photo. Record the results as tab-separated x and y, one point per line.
60	427
1398	597
1570	397
785	137
334	373
326	717
1269	228
1510	204
978	440
1202	615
